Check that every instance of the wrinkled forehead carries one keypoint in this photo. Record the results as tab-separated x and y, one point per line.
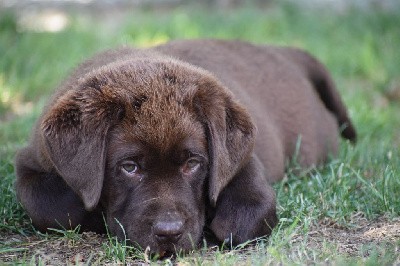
160	120
157	99
161	123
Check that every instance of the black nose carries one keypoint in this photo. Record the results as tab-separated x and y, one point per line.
168	231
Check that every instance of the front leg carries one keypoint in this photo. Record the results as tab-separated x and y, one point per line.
48	200
246	208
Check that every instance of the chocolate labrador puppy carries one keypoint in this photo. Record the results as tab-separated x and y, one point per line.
167	141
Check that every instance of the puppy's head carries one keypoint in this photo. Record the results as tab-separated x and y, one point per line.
152	143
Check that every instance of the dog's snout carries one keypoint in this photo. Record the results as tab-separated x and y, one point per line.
168	231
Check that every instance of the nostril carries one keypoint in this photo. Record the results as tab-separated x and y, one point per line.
168	238
168	231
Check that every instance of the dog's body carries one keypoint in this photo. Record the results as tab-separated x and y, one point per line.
156	141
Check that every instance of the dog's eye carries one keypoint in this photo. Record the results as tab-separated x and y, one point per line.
190	166
130	167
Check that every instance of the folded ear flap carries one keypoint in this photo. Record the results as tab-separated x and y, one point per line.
74	133
230	133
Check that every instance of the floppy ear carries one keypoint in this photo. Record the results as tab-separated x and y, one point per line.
74	131
230	133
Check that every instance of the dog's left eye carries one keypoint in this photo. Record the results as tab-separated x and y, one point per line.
190	166
130	167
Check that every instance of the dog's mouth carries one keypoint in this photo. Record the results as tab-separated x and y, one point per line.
166	254
162	251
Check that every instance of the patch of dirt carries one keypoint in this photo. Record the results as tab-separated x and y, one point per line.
354	241
53	250
88	247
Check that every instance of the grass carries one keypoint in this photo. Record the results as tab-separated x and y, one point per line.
359	187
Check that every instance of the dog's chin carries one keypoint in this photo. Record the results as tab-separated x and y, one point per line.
166	251
169	249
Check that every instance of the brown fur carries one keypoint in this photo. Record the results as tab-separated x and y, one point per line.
186	114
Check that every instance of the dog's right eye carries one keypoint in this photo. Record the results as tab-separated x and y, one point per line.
191	166
130	167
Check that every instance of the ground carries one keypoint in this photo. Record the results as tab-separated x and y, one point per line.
360	240
346	212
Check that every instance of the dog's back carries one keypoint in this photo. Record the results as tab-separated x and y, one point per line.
289	94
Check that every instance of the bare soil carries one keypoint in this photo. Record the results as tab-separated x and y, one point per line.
359	240
53	250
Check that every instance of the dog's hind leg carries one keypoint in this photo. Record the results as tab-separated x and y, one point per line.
326	89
